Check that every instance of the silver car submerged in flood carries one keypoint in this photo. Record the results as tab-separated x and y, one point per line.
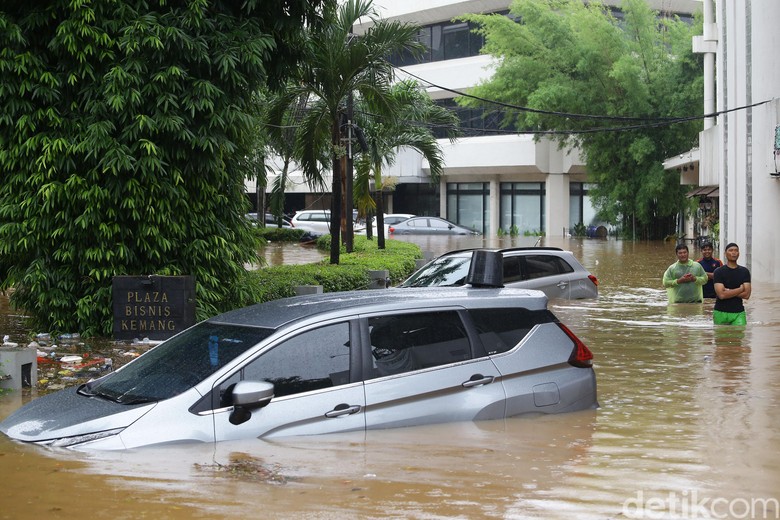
328	363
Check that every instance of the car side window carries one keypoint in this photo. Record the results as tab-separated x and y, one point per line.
502	329
312	360
406	342
539	266
512	271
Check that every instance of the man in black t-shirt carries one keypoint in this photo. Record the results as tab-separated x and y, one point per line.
732	287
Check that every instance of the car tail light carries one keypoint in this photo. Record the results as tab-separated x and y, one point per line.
594	280
391	229
581	356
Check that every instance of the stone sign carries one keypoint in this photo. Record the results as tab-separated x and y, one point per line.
154	307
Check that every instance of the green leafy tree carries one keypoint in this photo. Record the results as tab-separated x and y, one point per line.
341	64
564	57
281	118
125	139
417	115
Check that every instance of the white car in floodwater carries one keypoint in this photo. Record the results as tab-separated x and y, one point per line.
327	363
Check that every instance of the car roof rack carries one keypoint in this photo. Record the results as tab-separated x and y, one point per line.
503	249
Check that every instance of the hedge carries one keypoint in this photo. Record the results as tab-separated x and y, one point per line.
398	258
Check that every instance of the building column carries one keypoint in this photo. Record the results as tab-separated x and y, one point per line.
495	206
556	205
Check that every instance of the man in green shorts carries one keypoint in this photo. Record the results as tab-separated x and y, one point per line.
684	278
732	287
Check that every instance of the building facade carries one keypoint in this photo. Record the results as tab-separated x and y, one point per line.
738	158
492	179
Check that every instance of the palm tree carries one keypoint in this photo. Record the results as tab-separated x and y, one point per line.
282	117
416	117
341	64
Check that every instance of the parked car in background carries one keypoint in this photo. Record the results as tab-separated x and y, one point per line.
318	221
549	269
395	218
327	363
429	226
270	220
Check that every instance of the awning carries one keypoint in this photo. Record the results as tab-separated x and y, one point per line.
705	191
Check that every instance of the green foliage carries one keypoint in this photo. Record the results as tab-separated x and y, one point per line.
351	274
397	257
340	65
568	57
415	116
579	230
277	282
125	129
277	234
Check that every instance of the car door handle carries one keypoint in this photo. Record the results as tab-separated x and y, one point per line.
342	410
478	380
562	284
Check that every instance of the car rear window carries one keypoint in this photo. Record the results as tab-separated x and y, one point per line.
501	329
539	266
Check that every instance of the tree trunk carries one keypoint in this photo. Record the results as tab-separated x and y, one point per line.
380	219
335	205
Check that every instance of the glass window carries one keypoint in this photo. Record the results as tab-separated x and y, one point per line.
539	266
501	329
468	204
522	207
309	361
581	207
438	224
177	364
406	342
512	270
456	41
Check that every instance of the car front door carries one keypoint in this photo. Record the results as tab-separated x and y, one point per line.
313	389
421	368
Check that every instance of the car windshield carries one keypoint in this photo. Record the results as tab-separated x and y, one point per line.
177	364
445	271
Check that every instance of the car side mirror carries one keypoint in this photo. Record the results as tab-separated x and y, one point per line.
249	395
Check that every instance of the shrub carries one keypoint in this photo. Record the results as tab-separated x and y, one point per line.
271	283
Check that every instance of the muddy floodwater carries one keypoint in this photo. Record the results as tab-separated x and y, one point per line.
688	427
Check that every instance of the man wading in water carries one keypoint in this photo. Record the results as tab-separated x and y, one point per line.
684	278
732	286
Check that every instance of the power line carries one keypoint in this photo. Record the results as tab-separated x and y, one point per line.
653	122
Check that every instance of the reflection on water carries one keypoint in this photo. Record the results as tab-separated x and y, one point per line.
688	411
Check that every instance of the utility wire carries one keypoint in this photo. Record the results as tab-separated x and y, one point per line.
653	122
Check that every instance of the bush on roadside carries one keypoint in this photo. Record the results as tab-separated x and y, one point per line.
398	257
271	283
277	234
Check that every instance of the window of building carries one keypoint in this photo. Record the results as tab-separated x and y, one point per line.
522	207
468	204
475	121
417	199
581	208
444	41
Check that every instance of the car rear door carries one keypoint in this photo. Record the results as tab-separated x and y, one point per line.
314	388
421	367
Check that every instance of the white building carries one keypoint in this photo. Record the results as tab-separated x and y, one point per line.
739	150
496	180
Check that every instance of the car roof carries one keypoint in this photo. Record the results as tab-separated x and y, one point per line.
466	252
276	313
